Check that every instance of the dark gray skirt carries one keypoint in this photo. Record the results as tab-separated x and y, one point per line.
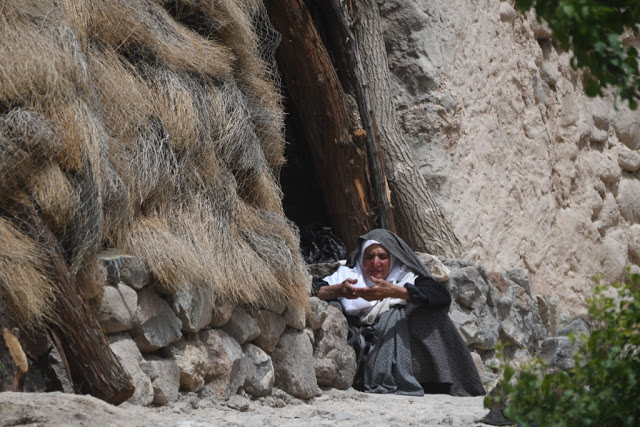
411	350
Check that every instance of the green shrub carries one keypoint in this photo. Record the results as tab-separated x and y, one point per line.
603	387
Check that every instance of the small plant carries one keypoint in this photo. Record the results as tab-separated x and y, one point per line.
603	389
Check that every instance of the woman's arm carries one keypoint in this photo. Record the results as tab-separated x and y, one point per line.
427	291
328	292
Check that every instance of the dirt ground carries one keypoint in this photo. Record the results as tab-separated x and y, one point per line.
332	407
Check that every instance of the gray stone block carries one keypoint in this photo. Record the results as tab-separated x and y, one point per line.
227	371
557	352
271	328
165	377
261	375
292	359
155	324
335	360
193	361
193	307
241	326
117	308
132	362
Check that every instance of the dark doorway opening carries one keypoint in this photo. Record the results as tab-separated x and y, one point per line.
303	201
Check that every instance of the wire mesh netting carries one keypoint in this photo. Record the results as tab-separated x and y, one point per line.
155	127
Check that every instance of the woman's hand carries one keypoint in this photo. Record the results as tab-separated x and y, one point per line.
381	290
343	289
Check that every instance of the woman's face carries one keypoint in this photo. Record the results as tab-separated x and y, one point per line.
376	262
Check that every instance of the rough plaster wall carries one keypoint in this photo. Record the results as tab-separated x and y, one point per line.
526	166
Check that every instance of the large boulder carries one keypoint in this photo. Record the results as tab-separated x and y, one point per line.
193	361
317	314
165	377
241	326
292	360
557	352
155	324
260	375
117	308
193	307
132	362
335	360
271	327
226	371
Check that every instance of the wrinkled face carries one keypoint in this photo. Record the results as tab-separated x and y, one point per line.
376	262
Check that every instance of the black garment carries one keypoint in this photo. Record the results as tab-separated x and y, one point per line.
413	347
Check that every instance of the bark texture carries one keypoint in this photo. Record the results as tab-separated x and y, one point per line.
420	221
92	366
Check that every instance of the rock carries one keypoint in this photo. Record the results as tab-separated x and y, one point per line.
477	360
226	372
549	73
557	352
221	313
541	31
577	327
58	371
117	308
629	160
132	362
292	359
124	268
520	277
627	127
610	213
165	378
436	267
317	314
278	306
548	308
628	199
507	12
261	375
521	324
295	317
271	327
155	324
193	361
193	308
600	112
468	288
335	360
241	326
238	403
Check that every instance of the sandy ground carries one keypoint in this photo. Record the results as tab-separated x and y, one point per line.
333	407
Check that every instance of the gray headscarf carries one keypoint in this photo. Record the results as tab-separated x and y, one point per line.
394	244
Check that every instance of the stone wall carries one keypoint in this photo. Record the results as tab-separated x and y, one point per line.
185	343
531	172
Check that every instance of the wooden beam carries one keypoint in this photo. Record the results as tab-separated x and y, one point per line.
316	95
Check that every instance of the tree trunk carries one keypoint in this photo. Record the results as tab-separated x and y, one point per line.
329	128
419	220
94	369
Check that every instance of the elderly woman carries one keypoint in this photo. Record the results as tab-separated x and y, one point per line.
398	322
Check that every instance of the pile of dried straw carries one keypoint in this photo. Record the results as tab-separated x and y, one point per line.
150	126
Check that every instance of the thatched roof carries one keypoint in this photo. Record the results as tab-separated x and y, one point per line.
154	127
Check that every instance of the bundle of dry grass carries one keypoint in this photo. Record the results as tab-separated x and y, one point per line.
153	126
25	287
